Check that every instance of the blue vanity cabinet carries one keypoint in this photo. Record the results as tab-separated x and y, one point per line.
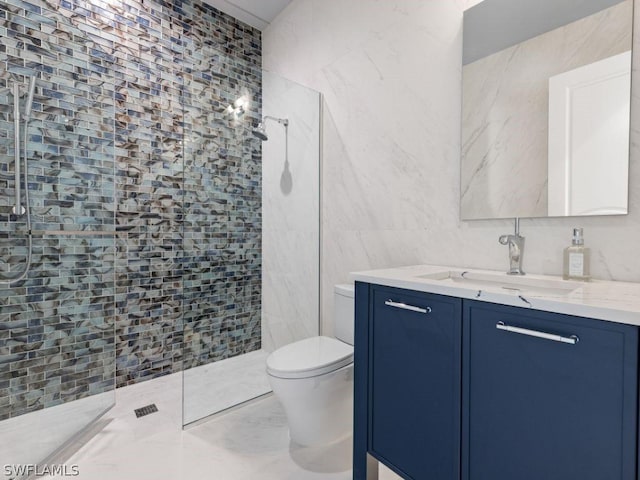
547	396
450	389
414	362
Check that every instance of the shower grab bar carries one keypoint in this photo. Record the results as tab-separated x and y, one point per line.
17	209
87	233
62	233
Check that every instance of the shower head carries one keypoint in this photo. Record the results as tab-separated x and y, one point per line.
261	132
29	104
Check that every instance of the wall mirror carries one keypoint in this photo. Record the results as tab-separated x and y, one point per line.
545	110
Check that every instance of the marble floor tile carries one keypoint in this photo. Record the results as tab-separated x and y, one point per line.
249	442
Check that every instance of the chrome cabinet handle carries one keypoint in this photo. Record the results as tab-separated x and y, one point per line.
572	340
404	306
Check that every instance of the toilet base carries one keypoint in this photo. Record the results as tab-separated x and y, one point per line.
319	409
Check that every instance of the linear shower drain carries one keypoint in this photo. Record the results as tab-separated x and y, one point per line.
141	412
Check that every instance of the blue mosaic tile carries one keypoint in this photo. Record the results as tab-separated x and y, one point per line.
129	135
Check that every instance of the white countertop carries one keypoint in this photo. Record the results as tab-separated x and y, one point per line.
604	300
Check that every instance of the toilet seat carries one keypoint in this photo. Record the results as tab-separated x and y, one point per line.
310	357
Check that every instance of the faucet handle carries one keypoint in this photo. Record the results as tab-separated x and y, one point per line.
504	239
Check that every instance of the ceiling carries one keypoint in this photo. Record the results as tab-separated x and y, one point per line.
257	13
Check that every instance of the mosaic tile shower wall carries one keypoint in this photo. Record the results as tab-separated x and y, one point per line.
189	197
223	196
57	341
161	206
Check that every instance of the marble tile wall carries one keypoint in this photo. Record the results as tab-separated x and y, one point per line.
291	213
134	154
390	75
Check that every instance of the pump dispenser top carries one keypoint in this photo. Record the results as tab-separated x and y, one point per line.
578	239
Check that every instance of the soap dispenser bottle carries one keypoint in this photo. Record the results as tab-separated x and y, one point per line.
576	258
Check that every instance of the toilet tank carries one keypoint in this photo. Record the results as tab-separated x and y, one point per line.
344	312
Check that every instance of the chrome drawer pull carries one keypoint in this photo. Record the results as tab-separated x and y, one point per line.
573	339
404	306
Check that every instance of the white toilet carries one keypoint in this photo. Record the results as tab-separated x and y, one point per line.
313	379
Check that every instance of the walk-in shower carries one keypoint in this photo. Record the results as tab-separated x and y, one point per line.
141	202
21	125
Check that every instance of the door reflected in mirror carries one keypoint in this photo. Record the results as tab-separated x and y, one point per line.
546	106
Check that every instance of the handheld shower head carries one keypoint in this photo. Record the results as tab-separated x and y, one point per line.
29	105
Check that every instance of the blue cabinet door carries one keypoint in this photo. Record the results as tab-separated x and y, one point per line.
540	407
415	379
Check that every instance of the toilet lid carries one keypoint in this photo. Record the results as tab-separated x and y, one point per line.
309	358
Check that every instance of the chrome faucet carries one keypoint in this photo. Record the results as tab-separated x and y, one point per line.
516	249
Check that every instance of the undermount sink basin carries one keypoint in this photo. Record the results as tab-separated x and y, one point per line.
496	280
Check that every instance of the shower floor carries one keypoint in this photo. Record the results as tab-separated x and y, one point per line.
208	389
217	386
32	437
